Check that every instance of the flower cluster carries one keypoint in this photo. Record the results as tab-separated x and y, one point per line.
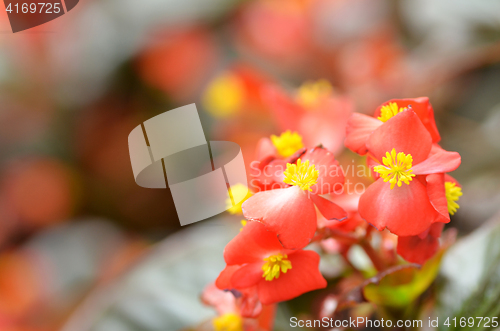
412	196
298	199
266	259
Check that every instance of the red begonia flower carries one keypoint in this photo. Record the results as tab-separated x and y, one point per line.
290	211
435	183
271	159
247	299
422	107
222	301
418	249
320	119
402	147
360	126
260	24
256	259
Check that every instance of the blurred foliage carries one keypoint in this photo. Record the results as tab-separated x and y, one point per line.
162	292
471	278
400	287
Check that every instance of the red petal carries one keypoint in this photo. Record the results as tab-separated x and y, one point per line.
404	132
268	177
286	112
416	250
349	202
250	306
265	149
328	209
439	162
349	225
288	212
248	275
405	210
222	301
437	195
252	244
359	128
325	124
267	317
224	280
275	171
303	277
448	178
331	177
436	230
371	163
422	107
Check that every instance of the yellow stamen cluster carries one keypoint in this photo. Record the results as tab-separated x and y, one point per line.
311	93
243	224
389	111
228	322
453	193
301	175
396	168
239	192
288	143
275	264
224	96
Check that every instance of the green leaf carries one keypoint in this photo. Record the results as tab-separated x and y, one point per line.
400	286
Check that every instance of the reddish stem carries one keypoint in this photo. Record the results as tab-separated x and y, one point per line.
378	263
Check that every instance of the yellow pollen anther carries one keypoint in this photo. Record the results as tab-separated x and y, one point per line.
228	322
288	143
301	175
311	93
389	111
224	96
275	264
239	192
453	193
396	168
